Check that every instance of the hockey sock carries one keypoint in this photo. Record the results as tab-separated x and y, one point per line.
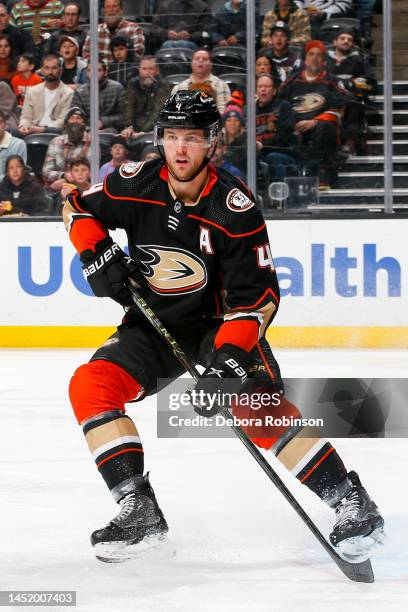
115	445
314	462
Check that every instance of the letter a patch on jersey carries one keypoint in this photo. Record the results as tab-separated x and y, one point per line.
205	241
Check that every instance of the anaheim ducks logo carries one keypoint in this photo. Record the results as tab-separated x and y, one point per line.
171	271
130	169
308	102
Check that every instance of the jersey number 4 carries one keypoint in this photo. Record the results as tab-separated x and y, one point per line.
264	257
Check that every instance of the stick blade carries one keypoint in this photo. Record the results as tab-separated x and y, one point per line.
358	572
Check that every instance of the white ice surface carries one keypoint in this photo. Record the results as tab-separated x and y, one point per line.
240	547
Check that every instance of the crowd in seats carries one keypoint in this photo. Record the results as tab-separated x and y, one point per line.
313	81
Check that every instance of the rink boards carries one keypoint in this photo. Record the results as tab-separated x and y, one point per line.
343	284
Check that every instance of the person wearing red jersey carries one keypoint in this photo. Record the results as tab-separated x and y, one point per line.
199	251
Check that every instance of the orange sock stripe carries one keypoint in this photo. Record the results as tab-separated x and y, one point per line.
126	450
317	464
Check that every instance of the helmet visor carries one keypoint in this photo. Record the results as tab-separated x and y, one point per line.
168	137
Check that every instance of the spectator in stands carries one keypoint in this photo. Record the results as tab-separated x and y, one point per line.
69	27
285	61
144	97
234	136
111	96
119	152
220	161
182	23
228	26
9	105
201	78
318	105
123	67
346	63
295	18
7	63
25	77
263	64
21	40
80	173
275	125
46	105
321	10
73	67
9	145
115	25
38	16
149	152
20	193
74	143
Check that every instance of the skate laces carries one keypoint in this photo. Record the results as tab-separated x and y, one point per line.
128	504
349	507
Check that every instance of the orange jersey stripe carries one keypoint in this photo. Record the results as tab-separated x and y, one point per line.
240	333
86	233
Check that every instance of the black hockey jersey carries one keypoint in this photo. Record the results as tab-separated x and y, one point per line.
211	259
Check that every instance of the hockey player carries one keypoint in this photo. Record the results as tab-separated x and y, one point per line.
199	251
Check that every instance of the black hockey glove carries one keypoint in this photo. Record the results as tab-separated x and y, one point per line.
226	374
108	270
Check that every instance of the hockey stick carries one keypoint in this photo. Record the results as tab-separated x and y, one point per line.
358	572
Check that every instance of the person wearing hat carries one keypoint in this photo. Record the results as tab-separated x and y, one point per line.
295	18
69	27
234	137
74	143
284	60
346	63
119	152
73	67
319	105
123	66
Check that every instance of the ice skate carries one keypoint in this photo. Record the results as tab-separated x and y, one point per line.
139	530
359	525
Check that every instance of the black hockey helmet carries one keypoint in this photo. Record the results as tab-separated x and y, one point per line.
190	110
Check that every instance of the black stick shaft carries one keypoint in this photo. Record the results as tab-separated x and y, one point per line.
359	572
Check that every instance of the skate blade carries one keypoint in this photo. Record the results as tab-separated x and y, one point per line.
154	548
360	548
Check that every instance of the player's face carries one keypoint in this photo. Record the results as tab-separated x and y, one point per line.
185	151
